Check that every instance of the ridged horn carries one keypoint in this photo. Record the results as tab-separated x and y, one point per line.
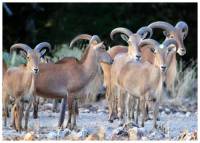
125	31
163	25
152	42
43	45
143	32
167	42
95	38
183	27
20	46
80	37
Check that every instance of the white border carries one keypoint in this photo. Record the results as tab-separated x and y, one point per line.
102	1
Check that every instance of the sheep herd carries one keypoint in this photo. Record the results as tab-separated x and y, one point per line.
135	77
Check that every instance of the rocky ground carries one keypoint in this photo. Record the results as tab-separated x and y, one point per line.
93	125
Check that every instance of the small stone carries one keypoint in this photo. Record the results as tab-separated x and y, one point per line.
167	110
133	133
83	133
52	135
187	114
179	114
64	133
86	111
48	106
156	135
29	136
118	131
92	137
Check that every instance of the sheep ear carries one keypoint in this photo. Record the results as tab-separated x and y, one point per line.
99	45
124	37
166	33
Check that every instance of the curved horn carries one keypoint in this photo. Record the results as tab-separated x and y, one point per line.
20	46
80	37
167	42
163	25
95	38
120	30
183	27
152	42
143	32
39	47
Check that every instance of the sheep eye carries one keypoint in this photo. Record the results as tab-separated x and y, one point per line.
153	50
169	50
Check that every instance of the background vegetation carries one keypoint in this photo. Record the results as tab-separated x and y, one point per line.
58	23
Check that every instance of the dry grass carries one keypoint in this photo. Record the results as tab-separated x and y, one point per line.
185	94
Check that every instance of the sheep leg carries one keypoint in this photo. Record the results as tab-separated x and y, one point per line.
74	114
155	114
27	110
55	104
62	113
120	106
133	109
35	107
128	107
138	108
110	101
5	101
70	101
13	110
143	111
18	115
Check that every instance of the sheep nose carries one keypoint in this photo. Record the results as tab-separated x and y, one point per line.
36	70
138	57
163	68
183	50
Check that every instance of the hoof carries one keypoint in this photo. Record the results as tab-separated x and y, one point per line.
155	126
110	121
121	124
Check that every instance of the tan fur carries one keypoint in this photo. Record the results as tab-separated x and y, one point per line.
19	83
107	79
72	79
141	80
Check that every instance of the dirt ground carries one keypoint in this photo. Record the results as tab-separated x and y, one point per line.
93	119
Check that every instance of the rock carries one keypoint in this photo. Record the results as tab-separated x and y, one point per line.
101	133
163	113
48	106
156	135
167	110
92	137
29	136
179	114
93	109
83	133
118	131
101	111
52	135
188	114
64	133
132	134
136	133
86	111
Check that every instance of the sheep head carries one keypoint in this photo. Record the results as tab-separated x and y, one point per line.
163	52
32	56
133	39
95	44
179	33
